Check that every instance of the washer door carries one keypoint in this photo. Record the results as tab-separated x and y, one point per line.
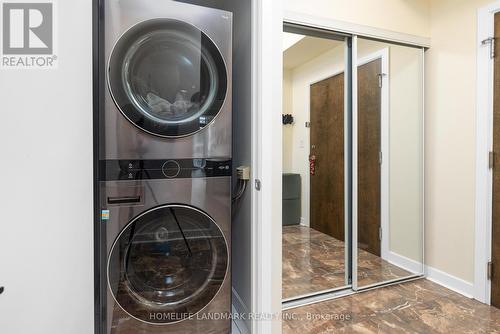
167	264
167	77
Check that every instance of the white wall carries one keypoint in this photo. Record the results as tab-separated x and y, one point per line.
405	146
288	129
406	143
450	129
46	249
406	16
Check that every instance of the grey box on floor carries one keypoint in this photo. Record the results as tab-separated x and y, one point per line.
291	199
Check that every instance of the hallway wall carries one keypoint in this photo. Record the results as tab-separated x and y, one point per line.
287	129
46	243
406	16
450	127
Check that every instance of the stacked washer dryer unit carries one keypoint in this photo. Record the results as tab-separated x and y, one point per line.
165	168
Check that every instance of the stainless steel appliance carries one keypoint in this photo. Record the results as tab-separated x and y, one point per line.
167	245
168	81
164	142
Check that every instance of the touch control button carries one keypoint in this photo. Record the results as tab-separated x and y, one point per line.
171	169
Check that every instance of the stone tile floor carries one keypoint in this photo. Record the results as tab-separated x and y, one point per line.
314	262
413	307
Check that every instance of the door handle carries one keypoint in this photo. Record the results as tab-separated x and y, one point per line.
312	164
124	200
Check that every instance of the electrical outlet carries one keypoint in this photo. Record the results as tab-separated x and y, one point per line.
243	173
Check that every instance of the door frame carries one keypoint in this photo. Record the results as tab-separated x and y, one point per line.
484	144
266	180
383	55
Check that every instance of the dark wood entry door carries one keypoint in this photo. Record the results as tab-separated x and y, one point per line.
369	156
495	242
327	145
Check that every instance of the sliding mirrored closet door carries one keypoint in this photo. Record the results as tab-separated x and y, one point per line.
316	249
353	158
388	163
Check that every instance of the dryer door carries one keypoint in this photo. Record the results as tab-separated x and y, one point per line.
167	77
167	264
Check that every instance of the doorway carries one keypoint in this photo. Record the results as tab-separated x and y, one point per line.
370	156
487	235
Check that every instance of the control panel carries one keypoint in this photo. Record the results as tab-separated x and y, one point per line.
115	170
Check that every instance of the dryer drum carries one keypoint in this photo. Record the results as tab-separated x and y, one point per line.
167	77
171	260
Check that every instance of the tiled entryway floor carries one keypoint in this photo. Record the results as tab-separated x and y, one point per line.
414	307
314	262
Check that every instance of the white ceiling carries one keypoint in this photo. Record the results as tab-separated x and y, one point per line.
299	49
290	39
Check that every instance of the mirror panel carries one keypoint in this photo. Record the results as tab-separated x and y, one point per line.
315	244
389	167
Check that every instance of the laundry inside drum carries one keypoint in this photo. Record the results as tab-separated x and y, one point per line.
170	77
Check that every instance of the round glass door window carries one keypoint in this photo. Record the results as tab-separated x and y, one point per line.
167	264
167	78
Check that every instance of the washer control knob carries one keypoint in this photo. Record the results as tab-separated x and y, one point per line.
171	169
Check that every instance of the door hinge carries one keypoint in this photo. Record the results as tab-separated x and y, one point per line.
258	185
491	160
380	233
381	79
491	42
490	270
380	158
308	124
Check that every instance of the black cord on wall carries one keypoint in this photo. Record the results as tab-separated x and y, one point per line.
240	189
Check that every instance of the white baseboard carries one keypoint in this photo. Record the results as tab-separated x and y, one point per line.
435	275
404	263
451	282
303	222
239	307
